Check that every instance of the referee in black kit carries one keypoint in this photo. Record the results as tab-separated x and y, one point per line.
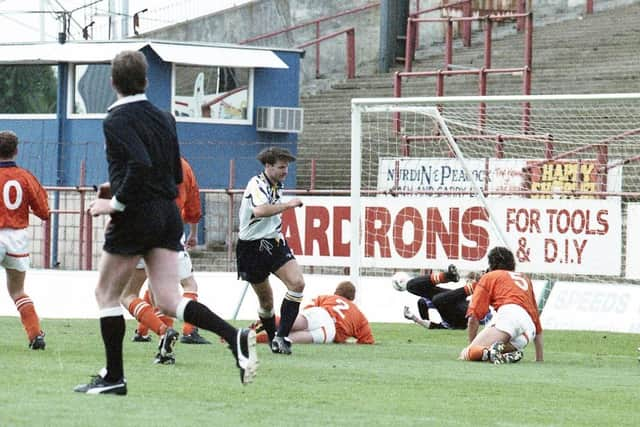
144	169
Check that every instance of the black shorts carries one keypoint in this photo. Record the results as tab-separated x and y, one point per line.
256	259
144	226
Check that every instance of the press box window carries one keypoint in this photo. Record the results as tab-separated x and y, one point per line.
212	93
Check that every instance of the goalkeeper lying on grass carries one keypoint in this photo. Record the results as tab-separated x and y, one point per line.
451	304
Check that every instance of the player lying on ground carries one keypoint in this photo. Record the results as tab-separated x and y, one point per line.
516	321
20	191
451	304
328	319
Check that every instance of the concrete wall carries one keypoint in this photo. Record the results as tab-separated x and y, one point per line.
570	305
70	294
264	16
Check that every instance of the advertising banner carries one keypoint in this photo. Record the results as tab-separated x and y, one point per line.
632	269
442	175
446	174
593	307
546	235
572	175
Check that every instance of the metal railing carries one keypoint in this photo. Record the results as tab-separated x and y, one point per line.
84	233
319	38
350	50
412	38
76	242
450	70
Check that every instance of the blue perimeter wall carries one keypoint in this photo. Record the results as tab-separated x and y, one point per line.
208	147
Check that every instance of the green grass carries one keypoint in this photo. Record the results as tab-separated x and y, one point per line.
410	378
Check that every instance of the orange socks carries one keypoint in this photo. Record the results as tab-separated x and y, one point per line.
262	338
164	318
437	278
144	313
468	287
475	353
142	328
188	328
28	316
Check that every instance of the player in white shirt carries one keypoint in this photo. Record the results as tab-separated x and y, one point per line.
262	249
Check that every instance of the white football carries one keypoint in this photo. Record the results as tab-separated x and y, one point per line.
399	281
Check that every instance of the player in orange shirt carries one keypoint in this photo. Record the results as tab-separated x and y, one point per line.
142	309
516	321
19	191
330	319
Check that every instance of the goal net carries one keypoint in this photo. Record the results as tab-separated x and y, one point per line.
437	181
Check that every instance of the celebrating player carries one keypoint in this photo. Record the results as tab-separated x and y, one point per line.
516	321
262	249
144	169
19	190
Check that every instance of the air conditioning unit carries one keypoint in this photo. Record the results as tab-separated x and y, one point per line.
279	119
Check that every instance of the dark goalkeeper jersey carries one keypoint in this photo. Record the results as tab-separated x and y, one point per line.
142	151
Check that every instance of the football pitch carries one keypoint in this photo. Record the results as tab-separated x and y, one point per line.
410	378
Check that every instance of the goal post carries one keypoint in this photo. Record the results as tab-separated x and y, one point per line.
478	192
441	180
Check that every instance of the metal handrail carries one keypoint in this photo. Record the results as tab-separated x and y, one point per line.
319	38
411	42
316	22
482	72
350	51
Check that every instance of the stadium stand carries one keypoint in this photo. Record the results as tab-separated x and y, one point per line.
589	54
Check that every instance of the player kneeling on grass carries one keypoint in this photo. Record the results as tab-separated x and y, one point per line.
516	321
20	191
329	319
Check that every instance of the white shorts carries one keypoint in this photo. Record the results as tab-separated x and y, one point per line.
320	325
515	321
185	268
14	249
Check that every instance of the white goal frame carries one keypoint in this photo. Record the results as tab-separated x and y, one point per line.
429	106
